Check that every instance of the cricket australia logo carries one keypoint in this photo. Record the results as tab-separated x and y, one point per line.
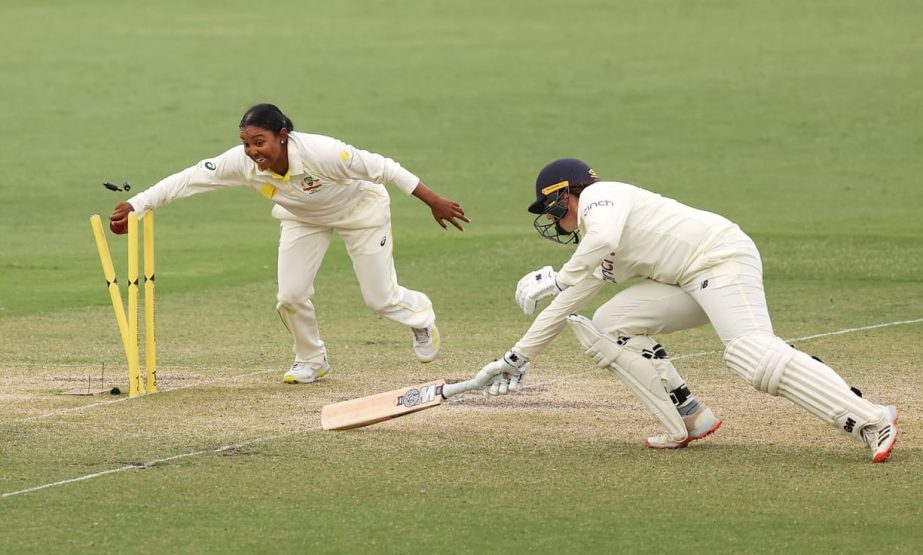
413	397
310	184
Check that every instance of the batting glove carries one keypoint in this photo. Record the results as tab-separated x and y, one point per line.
536	285
508	374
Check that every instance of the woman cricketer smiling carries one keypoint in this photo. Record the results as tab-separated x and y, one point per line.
318	185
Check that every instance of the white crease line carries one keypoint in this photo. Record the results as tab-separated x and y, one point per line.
817	336
149	464
850	330
270	438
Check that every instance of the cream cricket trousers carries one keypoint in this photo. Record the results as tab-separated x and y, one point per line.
366	232
729	293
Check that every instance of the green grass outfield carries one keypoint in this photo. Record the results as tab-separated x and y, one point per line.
800	121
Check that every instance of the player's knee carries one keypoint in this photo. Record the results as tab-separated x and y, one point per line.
289	301
614	324
761	360
377	305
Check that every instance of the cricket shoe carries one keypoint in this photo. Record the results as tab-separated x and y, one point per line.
426	343
699	424
881	437
306	372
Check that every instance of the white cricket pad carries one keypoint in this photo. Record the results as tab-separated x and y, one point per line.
636	371
771	365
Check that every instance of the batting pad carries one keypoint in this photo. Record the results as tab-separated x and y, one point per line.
771	365
636	371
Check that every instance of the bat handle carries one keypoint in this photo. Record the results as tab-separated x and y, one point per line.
480	380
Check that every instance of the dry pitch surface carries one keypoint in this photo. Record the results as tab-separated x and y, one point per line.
205	409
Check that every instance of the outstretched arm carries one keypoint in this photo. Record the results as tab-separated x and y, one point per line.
225	170
444	210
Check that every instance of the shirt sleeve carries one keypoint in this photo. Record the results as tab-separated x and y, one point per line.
603	213
226	170
549	323
343	161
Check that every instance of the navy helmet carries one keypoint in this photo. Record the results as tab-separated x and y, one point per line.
552	187
556	178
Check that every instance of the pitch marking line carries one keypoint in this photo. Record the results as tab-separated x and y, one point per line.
151	464
818	336
225	448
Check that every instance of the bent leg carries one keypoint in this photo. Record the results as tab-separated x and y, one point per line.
373	262
649	308
732	295
771	365
634	368
624	325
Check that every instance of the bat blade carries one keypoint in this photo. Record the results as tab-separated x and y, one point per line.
372	409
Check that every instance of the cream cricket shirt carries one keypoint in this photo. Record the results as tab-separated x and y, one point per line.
627	232
325	178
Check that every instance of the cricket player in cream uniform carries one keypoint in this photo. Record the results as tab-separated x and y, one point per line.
696	267
318	186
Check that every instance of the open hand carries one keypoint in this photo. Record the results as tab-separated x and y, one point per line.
444	210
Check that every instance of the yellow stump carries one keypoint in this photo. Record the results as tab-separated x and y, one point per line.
134	365
102	246
150	343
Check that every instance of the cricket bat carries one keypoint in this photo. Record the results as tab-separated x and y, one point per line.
372	409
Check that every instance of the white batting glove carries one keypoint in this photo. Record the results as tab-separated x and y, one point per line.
508	374
536	285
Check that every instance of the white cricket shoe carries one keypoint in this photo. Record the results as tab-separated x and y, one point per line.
306	372
880	438
699	424
426	343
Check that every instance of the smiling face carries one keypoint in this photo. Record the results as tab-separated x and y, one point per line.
267	149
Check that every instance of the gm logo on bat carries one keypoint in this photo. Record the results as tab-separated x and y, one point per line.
414	397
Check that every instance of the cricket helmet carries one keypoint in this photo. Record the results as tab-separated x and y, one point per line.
552	187
557	178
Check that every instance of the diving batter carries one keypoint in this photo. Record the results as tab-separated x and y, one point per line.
695	267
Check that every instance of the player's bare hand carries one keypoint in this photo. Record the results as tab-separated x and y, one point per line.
445	211
448	211
118	220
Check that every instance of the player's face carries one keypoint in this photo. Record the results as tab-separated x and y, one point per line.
266	148
568	223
